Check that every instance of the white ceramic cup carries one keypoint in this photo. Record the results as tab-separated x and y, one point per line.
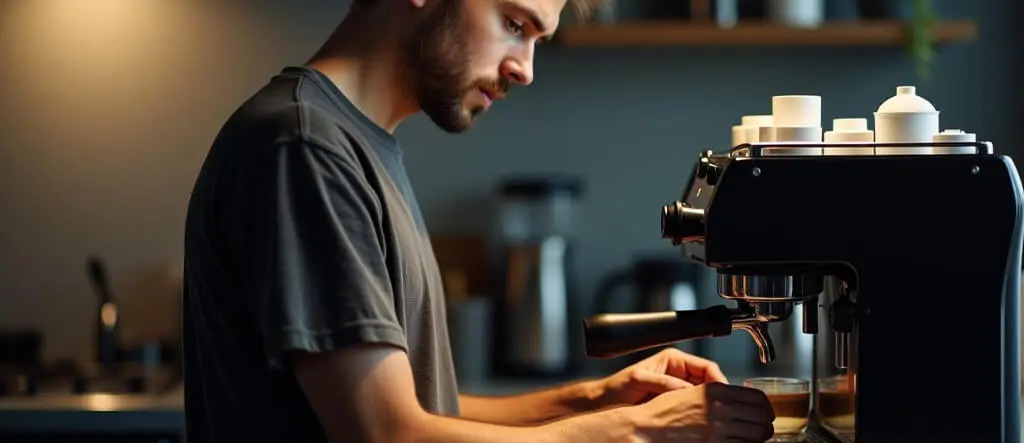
799	134
796	110
849	130
739	135
798	13
752	134
766	134
784	135
849	124
752	123
756	120
954	136
849	136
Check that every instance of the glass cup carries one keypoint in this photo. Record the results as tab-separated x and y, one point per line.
835	403
791	400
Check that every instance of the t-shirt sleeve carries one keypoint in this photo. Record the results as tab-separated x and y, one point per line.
317	265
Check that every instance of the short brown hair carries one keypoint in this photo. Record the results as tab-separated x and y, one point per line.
582	8
585	8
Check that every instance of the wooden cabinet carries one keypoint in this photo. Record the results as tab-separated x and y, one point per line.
696	33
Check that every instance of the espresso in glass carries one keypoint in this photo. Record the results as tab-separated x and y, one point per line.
791	401
834	403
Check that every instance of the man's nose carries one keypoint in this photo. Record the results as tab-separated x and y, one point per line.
518	70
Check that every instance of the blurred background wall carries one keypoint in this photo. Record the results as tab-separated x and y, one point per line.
107	108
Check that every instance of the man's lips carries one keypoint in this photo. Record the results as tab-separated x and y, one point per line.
489	97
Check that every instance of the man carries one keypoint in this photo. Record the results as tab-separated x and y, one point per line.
314	311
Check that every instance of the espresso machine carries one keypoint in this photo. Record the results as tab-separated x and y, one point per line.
895	250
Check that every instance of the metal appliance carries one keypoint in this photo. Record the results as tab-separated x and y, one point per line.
896	252
535	216
652	284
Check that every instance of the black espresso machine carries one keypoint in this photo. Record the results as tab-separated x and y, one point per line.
912	255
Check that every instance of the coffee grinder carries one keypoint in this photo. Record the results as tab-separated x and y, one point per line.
895	250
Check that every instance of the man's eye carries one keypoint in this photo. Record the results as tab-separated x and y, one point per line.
513	26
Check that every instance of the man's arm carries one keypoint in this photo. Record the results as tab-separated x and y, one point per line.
535	407
366	394
323	299
665	371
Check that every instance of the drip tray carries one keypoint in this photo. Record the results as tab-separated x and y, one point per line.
817	435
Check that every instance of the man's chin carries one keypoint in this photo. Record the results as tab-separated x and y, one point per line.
456	129
454	123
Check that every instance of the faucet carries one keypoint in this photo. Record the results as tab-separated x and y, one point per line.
107	317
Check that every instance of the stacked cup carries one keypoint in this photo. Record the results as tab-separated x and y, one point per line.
795	118
747	130
955	136
849	130
753	124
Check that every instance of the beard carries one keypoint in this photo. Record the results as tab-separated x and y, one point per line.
438	59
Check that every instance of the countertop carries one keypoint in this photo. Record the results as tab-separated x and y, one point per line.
94	413
156	413
109	413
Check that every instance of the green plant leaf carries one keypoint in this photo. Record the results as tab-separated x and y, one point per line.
920	45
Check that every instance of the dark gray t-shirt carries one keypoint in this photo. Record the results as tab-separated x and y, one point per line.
302	233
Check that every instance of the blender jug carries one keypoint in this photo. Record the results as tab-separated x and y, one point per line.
653	284
535	222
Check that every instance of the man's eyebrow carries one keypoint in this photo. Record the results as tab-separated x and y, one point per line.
530	14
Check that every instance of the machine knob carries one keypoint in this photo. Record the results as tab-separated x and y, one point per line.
703	163
702	167
681	223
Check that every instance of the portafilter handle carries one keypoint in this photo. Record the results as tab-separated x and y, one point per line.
614	335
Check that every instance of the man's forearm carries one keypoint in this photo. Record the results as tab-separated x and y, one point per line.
534	407
610	426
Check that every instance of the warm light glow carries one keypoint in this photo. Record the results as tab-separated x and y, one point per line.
94	25
101	402
96	66
89	41
108	314
94	18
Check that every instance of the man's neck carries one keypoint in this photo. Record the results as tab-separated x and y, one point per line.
367	70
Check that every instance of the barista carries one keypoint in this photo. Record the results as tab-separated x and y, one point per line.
314	308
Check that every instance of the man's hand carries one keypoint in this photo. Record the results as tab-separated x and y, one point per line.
711	412
667	370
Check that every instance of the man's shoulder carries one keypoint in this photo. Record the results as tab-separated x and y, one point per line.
283	115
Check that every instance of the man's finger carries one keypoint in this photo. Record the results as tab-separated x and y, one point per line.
694	369
713	374
660	382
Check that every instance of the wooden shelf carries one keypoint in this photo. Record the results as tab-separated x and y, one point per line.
682	33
